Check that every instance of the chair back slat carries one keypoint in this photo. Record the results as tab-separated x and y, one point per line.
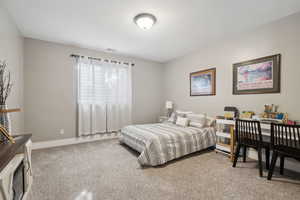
279	137
285	135
251	130
248	132
287	139
298	134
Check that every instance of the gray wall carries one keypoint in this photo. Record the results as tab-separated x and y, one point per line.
49	89
11	50
49	84
279	37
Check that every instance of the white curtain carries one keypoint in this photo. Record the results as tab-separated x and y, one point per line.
104	96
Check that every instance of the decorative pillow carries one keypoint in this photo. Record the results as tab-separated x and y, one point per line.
182	121
210	121
178	113
197	120
182	113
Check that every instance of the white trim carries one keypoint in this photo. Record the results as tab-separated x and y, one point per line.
69	141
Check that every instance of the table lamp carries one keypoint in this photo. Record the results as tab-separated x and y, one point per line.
169	107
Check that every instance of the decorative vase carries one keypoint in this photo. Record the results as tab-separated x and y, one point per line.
4	121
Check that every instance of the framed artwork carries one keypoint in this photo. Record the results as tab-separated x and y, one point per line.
257	76
203	83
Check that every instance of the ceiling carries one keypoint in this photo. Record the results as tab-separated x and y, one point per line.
183	26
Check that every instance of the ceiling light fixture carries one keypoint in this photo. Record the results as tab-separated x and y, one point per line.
145	20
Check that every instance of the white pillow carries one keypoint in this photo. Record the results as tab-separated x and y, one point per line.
210	121
182	121
183	112
178	113
197	120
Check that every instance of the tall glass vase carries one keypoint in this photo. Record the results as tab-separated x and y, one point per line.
4	121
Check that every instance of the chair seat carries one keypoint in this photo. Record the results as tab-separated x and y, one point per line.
288	151
249	143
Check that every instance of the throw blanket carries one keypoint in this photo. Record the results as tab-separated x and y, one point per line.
160	143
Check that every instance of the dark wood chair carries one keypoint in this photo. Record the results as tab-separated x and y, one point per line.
248	134
285	142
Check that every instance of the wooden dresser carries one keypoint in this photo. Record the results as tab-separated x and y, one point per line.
15	168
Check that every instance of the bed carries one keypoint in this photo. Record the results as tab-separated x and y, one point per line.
162	142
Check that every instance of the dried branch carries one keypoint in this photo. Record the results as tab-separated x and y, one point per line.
5	83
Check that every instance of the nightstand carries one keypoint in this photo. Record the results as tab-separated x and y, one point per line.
162	119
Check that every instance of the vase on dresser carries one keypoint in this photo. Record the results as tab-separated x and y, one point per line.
4	121
5	89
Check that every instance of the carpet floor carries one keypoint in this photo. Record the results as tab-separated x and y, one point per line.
106	170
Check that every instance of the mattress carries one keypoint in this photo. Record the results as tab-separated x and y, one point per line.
162	142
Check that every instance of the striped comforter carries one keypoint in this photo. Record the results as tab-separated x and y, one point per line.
160	143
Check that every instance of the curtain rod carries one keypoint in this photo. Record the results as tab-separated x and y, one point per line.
101	59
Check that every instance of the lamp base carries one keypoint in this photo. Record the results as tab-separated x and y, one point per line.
169	112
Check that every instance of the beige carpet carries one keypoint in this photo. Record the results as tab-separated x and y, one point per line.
106	170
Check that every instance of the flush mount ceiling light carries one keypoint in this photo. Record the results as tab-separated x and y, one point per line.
145	20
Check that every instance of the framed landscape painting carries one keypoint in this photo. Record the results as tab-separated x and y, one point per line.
257	76
203	83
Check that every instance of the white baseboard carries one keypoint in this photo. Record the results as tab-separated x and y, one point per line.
288	163
69	141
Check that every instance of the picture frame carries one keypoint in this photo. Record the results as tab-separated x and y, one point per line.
258	76
203	83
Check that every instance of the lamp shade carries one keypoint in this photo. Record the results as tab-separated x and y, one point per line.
169	104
